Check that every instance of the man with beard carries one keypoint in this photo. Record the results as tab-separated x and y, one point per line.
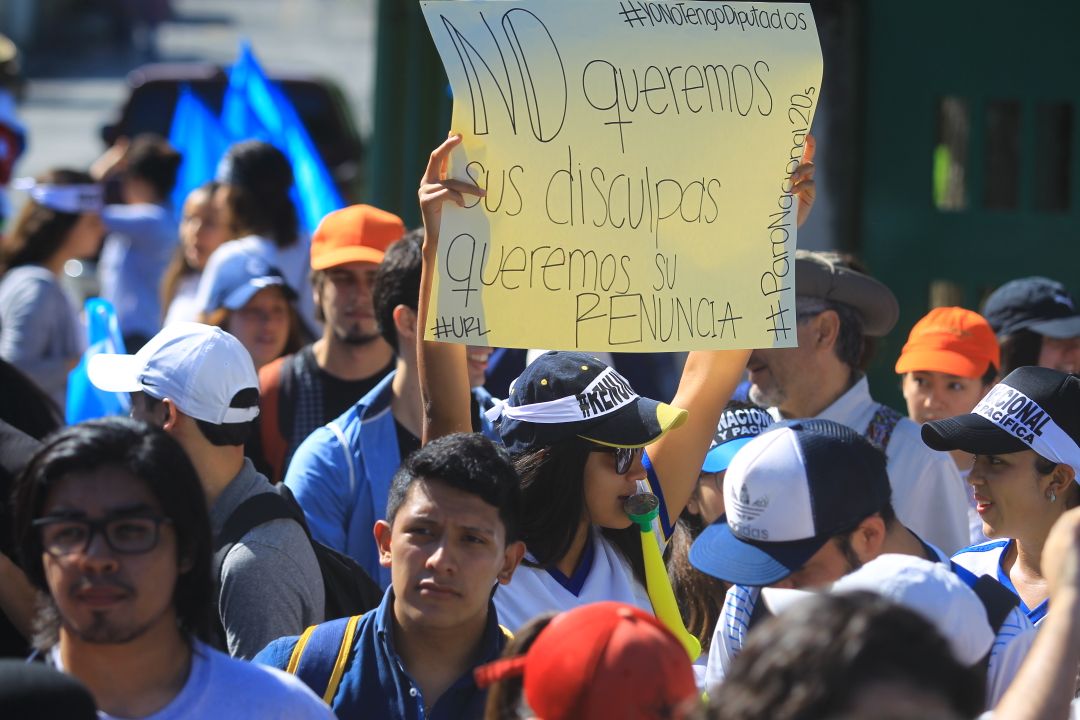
309	389
839	311
112	524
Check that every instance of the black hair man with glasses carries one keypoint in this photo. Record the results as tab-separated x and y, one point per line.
111	523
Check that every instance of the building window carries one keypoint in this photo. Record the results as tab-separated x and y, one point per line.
1053	156
1001	156
951	154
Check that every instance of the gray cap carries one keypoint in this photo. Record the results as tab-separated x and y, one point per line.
823	275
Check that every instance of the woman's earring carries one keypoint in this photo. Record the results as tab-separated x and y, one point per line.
1051	496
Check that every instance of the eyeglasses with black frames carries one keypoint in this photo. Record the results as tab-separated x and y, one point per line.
128	535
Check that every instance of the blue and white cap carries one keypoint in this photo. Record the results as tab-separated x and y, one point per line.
239	277
739	424
788	492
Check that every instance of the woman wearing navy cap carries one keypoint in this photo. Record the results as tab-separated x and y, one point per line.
1023	435
576	430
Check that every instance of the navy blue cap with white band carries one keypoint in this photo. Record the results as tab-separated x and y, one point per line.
1033	408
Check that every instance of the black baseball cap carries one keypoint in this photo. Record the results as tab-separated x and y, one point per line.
568	394
1033	408
35	690
787	492
1038	304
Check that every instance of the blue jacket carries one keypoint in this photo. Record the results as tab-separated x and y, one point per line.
375	685
341	475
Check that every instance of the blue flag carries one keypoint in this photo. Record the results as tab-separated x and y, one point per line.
84	400
199	136
254	107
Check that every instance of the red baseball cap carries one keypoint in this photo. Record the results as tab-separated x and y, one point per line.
950	340
604	661
358	233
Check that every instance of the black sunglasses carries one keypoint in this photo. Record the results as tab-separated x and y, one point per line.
624	457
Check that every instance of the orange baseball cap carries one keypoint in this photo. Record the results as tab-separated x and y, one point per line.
358	233
950	340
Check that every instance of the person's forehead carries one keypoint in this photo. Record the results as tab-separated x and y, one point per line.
439	501
938	375
99	492
1015	458
357	268
272	295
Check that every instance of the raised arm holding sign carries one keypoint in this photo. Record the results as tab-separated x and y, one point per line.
515	249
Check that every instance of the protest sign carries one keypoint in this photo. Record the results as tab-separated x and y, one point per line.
635	157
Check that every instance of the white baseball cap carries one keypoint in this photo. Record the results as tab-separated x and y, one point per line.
198	367
930	589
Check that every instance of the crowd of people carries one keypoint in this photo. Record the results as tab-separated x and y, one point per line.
313	511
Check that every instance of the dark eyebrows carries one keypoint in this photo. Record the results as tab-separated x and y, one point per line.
134	510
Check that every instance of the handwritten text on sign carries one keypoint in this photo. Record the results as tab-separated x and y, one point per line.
636	159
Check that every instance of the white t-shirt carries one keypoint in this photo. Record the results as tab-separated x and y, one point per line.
1011	643
602	574
223	688
985	559
184	306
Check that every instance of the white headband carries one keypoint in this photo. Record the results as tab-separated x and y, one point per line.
1023	418
73	199
608	392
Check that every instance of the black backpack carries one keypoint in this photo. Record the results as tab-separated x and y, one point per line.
349	590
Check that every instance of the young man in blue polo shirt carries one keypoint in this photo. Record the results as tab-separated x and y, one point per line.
341	473
449	538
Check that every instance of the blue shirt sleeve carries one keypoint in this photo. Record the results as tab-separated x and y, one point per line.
277	653
319	478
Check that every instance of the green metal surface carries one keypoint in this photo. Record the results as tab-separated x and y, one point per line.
412	108
915	54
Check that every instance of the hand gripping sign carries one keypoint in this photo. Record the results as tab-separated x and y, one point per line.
635	157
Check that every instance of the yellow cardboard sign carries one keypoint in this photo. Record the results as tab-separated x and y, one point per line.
636	157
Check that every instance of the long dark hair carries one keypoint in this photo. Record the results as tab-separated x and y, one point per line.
504	696
178	267
553	503
39	232
157	460
700	596
1018	349
259	178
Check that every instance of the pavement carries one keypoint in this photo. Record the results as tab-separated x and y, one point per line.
77	85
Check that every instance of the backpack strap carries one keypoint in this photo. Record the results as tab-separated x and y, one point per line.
997	599
879	431
321	654
251	513
273	440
